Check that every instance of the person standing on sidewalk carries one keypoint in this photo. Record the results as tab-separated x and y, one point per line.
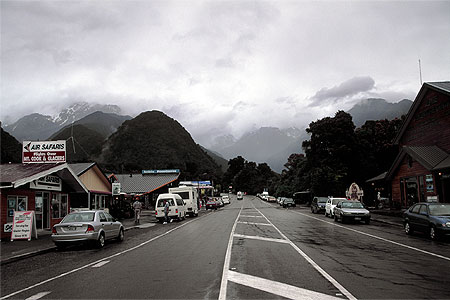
137	210
166	212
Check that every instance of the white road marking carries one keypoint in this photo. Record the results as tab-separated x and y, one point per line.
254	237
276	288
226	264
100	264
252	223
377	237
314	264
248	216
100	260
38	296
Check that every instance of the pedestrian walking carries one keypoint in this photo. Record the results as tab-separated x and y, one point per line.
137	211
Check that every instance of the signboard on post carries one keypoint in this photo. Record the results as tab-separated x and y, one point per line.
44	152
24	224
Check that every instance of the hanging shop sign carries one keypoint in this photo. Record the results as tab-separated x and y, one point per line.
116	188
24	225
169	171
44	152
49	183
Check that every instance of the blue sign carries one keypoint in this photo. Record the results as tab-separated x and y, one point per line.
168	171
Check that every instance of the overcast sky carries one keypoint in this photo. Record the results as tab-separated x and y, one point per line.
219	67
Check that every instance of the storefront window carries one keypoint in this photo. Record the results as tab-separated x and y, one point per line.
429	181
98	202
59	206
16	203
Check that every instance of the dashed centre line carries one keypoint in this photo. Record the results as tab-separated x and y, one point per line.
100	264
38	296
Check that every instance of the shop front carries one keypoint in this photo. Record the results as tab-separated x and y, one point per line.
421	171
45	189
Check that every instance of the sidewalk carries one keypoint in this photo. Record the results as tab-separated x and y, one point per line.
19	249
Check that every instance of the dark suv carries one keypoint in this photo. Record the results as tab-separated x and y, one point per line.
318	204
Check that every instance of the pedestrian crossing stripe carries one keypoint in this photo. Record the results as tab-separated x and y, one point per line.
277	288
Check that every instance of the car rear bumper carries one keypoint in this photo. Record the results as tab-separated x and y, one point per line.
73	238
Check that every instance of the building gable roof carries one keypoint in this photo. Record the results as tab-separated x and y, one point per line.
140	184
431	157
16	175
81	168
442	87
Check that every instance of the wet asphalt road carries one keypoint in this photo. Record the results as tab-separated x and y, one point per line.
274	253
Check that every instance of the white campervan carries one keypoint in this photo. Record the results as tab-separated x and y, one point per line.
190	198
177	208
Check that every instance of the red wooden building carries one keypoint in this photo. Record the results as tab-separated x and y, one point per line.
421	171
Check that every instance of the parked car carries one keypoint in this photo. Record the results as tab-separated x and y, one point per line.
431	218
288	202
211	204
351	211
189	195
318	204
331	204
95	226
226	199
271	199
177	207
219	202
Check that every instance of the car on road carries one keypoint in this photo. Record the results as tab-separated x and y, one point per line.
95	226
318	204
280	200
177	207
219	202
331	204
271	199
211	204
431	218
226	199
240	196
288	202
351	211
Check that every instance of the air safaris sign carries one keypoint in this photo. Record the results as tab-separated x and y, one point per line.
44	152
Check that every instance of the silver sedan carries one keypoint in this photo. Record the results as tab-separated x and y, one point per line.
94	226
351	211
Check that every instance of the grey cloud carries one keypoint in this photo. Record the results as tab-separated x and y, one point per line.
348	88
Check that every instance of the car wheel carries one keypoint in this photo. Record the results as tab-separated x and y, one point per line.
312	210
408	229
433	233
120	237
101	241
367	221
335	218
326	214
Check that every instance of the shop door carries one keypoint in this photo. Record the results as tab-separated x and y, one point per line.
45	210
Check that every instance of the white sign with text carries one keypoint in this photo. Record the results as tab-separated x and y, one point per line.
24	224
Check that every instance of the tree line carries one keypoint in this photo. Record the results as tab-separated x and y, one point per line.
336	155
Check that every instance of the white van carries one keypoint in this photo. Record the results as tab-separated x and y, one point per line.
177	208
190	197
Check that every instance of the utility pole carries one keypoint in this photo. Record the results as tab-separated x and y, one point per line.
420	73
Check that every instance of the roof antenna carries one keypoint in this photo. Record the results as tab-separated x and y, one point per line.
420	72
